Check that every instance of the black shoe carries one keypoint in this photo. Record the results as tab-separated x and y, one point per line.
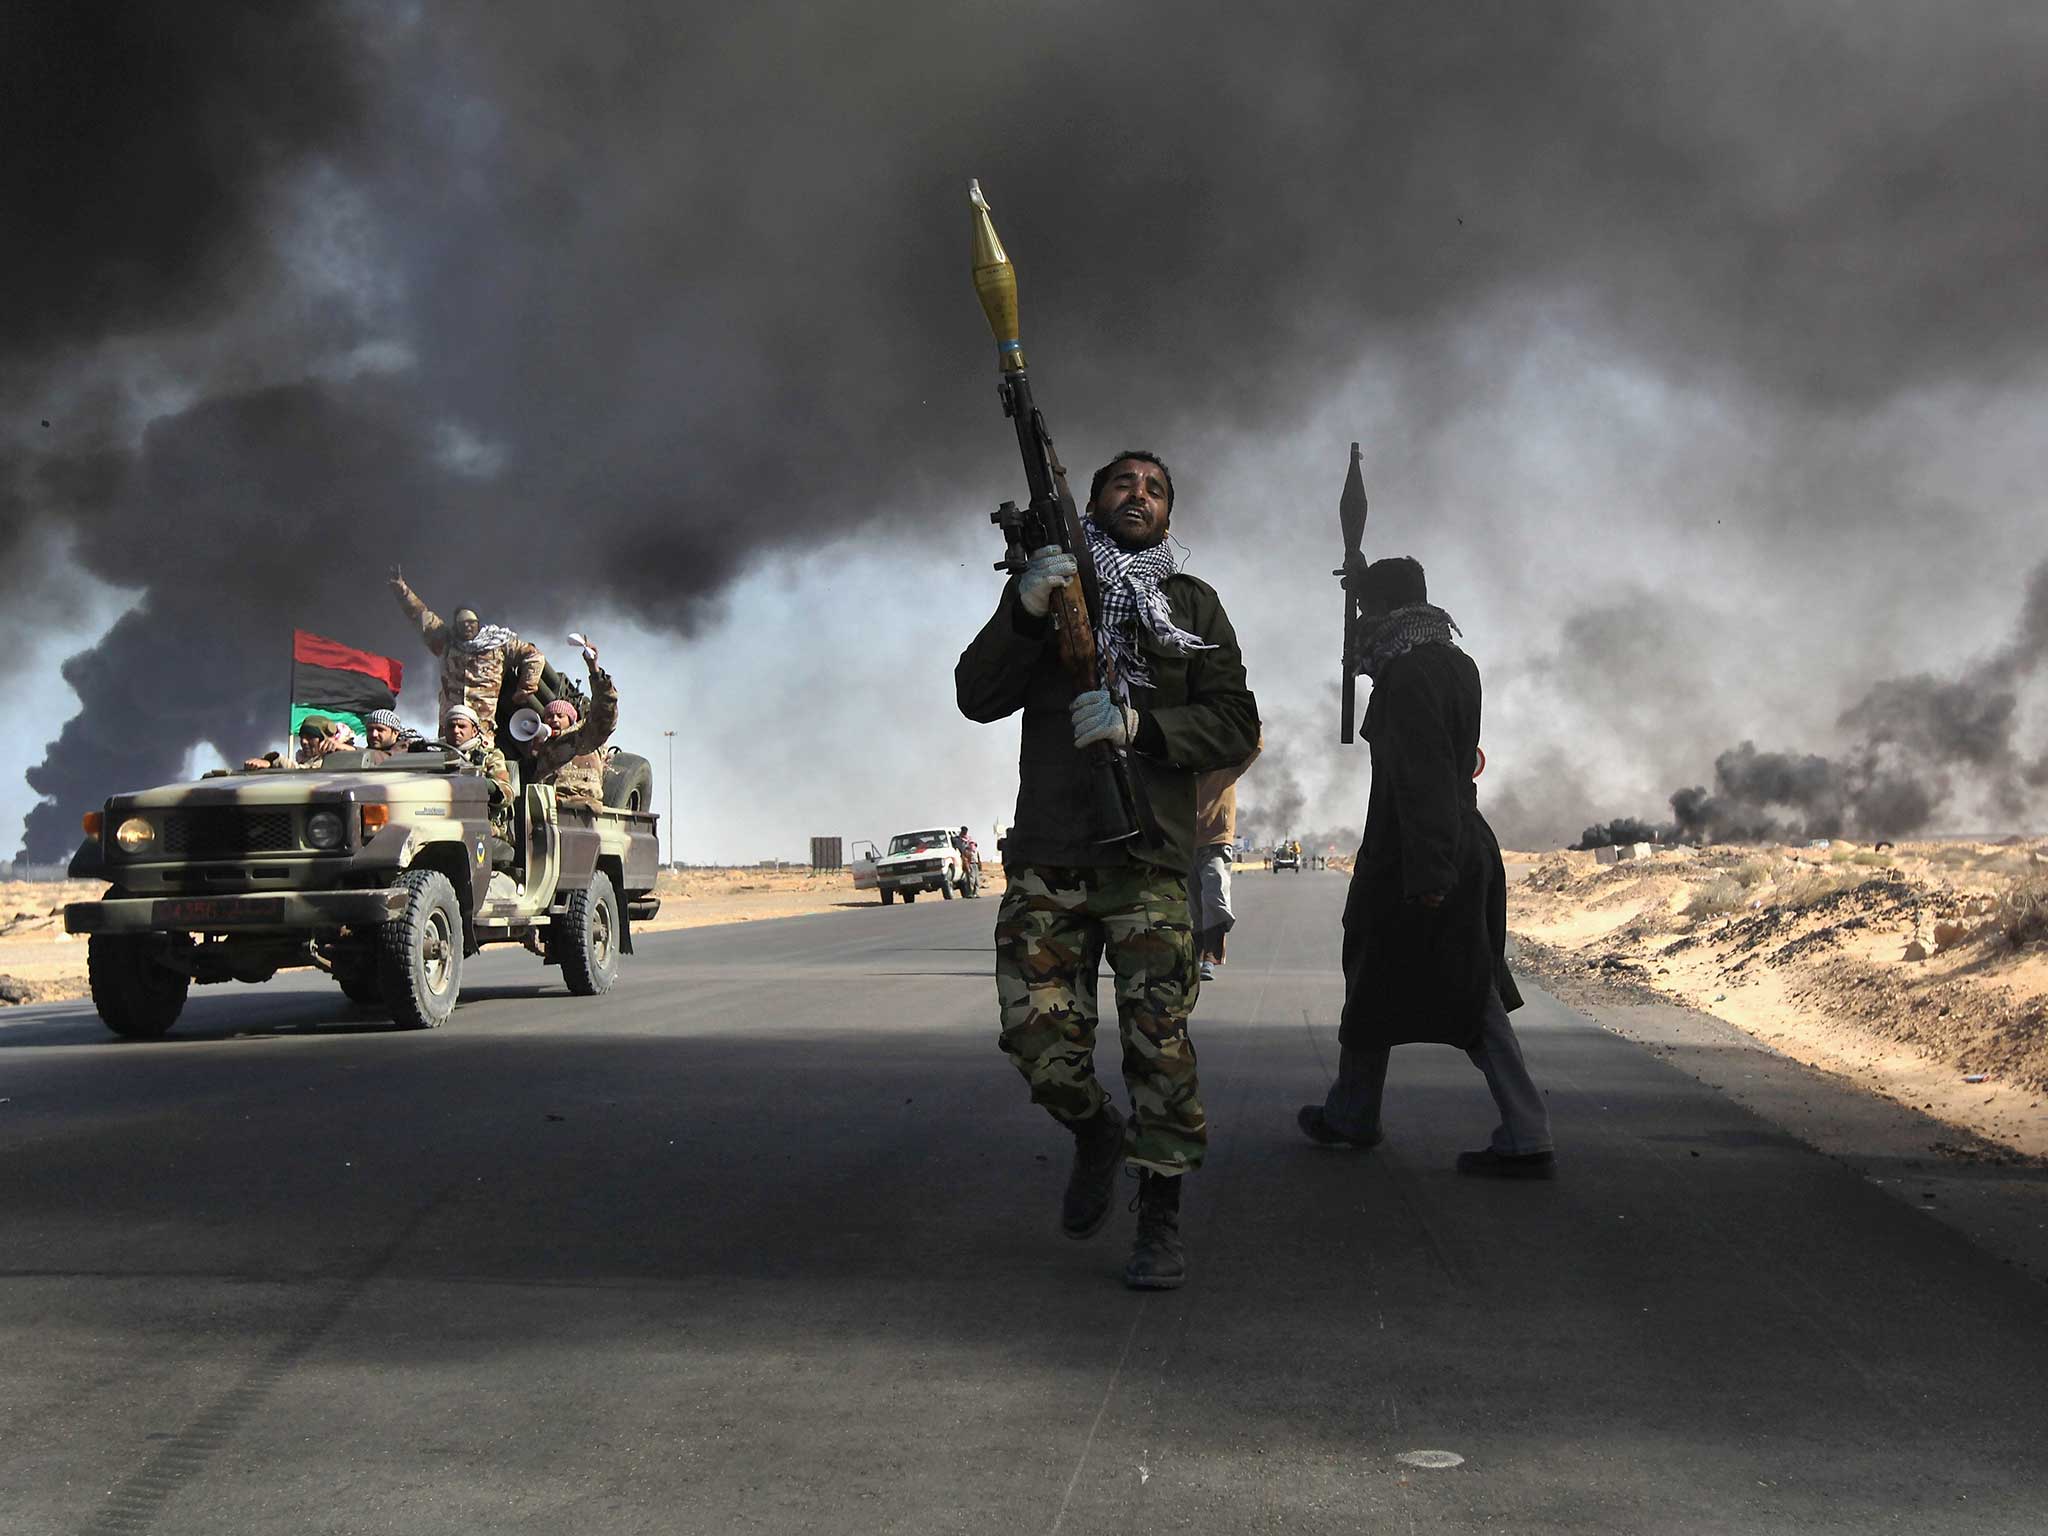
1158	1262
1315	1125
1098	1149
1509	1165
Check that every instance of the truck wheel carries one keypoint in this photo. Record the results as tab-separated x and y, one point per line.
590	938
360	982
945	888
909	897
888	896
628	782
137	998
419	952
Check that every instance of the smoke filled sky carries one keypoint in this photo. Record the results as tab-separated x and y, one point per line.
1694	350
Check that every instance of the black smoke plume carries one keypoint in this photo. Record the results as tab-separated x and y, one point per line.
1273	806
565	306
1623	829
1270	804
1917	743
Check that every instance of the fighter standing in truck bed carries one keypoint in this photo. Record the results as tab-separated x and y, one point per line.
478	661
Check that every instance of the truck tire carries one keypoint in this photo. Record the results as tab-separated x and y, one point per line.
360	982
946	887
628	782
589	940
887	896
419	952
137	998
909	897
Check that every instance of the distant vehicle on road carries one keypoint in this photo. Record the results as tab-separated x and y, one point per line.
1286	855
933	860
862	864
384	874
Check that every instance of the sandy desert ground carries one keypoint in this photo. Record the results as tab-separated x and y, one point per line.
1919	972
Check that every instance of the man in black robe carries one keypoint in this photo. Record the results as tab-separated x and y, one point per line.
1425	923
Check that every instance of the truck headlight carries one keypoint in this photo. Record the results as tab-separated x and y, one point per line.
324	829
135	835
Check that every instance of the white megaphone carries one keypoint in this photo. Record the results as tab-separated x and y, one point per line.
528	729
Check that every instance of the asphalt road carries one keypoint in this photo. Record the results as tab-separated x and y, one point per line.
766	1241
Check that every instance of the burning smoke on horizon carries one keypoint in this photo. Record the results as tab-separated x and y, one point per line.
1273	805
561	309
1916	744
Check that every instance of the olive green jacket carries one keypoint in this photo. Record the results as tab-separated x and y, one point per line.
1198	715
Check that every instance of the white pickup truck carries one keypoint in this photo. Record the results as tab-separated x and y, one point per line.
934	860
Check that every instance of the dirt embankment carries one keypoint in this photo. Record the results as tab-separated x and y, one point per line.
40	962
1920	971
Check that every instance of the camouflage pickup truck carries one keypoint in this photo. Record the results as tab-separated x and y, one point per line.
382	873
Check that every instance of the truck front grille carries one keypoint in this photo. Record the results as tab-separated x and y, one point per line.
221	831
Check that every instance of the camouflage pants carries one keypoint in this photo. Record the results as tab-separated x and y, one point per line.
1052	930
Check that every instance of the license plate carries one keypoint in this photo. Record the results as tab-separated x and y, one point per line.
210	909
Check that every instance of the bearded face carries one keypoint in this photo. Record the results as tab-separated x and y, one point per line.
1133	505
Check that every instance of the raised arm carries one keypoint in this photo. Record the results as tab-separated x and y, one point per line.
430	623
604	711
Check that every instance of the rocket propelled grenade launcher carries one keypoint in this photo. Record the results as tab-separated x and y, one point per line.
1351	520
1049	520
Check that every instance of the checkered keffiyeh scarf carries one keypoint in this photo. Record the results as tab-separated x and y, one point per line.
1404	629
1128	580
489	637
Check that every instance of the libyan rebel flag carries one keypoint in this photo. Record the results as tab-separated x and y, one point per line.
339	681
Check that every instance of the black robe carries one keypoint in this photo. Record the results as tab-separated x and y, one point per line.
1415	973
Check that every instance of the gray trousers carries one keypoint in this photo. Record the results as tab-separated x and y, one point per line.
1209	890
1353	1105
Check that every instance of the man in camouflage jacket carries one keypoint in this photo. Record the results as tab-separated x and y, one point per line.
465	731
1071	900
478	661
572	758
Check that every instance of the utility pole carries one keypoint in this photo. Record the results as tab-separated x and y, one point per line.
671	735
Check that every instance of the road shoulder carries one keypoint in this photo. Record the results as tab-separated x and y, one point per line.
1995	1197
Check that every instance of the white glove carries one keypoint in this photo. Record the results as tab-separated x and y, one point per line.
1050	567
1098	717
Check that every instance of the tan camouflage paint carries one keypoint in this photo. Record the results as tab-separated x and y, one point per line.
1052	930
425	810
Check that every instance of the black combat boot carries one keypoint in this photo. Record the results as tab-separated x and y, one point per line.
1158	1262
1098	1149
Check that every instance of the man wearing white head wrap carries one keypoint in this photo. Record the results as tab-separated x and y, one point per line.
459	724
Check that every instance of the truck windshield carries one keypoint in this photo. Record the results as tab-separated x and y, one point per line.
427	759
910	842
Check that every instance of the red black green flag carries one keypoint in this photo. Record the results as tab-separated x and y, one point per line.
339	681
